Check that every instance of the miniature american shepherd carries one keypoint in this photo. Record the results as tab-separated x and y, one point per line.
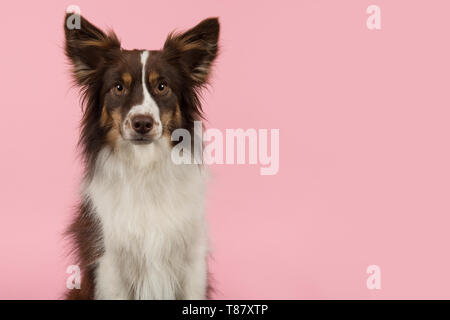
139	231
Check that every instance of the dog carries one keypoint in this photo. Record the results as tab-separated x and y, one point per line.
140	230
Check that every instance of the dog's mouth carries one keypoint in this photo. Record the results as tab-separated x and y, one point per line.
141	140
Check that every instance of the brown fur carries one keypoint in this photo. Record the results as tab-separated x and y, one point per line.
85	235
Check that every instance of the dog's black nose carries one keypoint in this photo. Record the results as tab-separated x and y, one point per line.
142	123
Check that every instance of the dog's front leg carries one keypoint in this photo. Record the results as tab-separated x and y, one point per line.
196	276
109	284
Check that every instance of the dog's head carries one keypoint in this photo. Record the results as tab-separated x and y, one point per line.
138	96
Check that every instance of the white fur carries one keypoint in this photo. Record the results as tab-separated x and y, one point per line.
154	232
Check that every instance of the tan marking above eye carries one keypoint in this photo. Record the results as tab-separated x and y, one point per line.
160	87
153	76
126	77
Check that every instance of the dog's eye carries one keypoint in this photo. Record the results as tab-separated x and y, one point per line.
118	89
162	88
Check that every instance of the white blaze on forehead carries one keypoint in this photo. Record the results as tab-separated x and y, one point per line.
148	105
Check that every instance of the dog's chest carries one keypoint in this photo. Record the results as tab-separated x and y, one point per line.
149	217
138	209
139	219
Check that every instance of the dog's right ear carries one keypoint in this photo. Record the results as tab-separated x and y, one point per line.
87	47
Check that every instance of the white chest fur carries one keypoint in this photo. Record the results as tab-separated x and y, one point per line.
153	225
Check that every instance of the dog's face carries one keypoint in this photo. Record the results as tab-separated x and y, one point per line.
139	96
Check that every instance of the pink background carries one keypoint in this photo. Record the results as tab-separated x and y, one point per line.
364	156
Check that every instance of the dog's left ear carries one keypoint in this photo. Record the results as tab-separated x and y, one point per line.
195	49
87	48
